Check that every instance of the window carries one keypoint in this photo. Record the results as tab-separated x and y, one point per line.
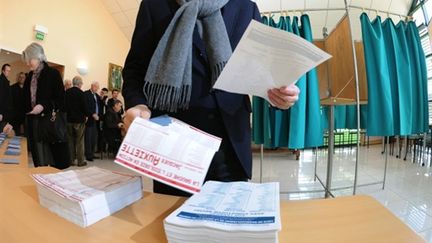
418	16
422	15
428	8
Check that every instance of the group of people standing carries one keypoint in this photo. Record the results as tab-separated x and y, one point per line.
93	120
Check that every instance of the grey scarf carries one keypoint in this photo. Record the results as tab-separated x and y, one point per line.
168	82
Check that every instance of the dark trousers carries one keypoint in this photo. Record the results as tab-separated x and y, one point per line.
100	137
90	141
76	142
19	128
44	154
225	165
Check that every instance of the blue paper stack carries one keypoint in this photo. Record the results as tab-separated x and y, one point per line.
14	147
2	138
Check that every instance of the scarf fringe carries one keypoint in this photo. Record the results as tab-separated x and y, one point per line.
167	98
217	70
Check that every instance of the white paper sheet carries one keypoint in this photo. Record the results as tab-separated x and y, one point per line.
267	58
169	151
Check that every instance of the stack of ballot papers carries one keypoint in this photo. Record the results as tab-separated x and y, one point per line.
227	212
14	146
89	195
3	137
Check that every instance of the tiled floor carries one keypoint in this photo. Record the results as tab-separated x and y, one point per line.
408	190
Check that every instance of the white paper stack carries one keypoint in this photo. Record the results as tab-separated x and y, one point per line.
227	212
87	196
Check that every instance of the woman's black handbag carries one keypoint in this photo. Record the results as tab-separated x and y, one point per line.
52	127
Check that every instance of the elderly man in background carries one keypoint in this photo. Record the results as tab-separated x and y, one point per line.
77	112
92	101
67	84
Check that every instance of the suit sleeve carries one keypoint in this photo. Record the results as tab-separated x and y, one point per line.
84	105
142	48
256	13
27	97
89	103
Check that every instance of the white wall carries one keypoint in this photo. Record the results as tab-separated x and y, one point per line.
78	31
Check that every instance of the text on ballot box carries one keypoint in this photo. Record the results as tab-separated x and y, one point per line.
169	151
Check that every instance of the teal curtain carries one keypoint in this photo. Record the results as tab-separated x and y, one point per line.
419	106
296	128
298	111
345	117
400	75
397	78
380	102
313	133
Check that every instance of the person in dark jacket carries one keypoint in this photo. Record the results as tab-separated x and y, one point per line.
44	92
18	101
5	100
102	110
114	97
112	126
160	81
77	113
92	101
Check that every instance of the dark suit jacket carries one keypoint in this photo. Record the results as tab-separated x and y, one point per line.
5	99
103	105
76	105
153	18
111	129
91	105
50	90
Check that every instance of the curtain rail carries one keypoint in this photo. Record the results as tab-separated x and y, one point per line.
334	9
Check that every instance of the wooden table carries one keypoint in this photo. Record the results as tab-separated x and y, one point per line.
23	157
346	219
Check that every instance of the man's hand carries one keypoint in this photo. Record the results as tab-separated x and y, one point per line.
36	110
1	117
95	117
137	111
284	97
7	129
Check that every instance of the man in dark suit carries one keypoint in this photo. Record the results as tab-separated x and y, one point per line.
18	101
77	113
5	99
220	113
104	99
92	100
102	111
114	97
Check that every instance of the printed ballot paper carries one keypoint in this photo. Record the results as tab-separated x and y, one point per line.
267	58
169	151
